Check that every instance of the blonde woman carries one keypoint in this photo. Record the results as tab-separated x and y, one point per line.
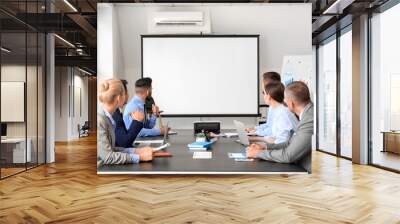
111	95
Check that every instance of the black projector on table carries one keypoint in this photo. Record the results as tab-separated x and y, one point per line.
207	126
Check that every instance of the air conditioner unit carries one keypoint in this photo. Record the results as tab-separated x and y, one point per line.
179	22
179	18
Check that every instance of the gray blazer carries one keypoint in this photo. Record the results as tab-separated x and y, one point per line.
297	149
107	152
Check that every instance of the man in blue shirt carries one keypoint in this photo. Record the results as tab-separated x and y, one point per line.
137	103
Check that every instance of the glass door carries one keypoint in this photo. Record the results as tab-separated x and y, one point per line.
385	89
14	155
327	96
22	76
346	93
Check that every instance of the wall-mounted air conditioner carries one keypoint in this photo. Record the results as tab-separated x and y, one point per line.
179	22
179	18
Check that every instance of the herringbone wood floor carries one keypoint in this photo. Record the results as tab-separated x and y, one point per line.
69	191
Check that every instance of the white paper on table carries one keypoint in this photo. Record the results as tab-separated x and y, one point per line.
231	134
172	132
158	141
236	155
161	147
202	155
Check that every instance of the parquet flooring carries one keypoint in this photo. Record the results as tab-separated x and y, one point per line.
70	191
10	171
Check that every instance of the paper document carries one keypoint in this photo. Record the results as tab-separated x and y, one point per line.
231	134
172	132
161	147
244	160
202	155
237	155
157	141
213	135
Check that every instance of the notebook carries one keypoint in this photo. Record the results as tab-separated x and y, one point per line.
200	145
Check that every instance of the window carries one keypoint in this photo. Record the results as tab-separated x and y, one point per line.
346	93
385	89
327	96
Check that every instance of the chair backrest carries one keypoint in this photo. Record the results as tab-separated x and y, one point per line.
86	125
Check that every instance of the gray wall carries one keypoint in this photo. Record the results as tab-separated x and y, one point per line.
68	82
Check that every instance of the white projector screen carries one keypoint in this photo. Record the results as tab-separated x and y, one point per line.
203	75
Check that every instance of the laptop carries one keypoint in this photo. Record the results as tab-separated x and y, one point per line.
154	143
240	128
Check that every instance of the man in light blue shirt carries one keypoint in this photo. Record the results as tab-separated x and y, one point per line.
137	103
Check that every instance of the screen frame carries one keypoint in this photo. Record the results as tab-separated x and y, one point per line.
257	36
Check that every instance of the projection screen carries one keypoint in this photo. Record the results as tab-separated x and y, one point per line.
208	75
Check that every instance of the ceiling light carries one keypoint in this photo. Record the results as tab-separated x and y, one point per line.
84	71
5	50
64	40
338	6
333	6
70	5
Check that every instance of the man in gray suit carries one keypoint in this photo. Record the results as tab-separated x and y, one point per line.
297	149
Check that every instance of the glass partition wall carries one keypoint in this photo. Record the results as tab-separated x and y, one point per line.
22	87
334	100
327	96
346	95
385	89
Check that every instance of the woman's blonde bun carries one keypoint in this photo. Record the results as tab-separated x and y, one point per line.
109	90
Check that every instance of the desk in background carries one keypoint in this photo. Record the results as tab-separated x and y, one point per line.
182	161
13	151
391	141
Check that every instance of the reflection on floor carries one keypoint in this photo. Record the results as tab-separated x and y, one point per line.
387	159
70	191
346	152
10	171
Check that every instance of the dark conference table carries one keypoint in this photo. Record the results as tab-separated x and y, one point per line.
182	161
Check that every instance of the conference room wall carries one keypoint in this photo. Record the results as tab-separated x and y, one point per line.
16	73
68	115
285	29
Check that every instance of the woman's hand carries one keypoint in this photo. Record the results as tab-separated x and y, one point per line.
145	153
250	130
269	140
